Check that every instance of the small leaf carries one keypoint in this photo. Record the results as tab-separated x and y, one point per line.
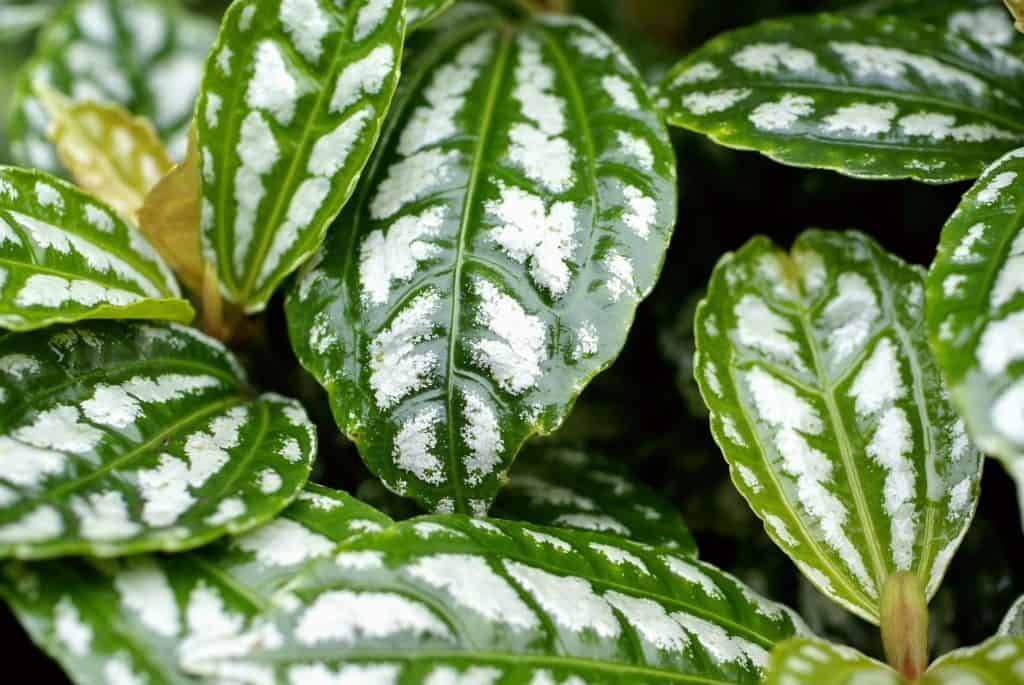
573	488
292	102
65	257
421	12
985	21
515	213
442	598
873	97
121	438
103	619
144	55
831	413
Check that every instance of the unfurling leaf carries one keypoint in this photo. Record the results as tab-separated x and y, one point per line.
515	213
448	599
100	620
292	102
829	408
65	257
873	97
120	438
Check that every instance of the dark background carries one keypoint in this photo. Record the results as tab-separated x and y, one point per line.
643	411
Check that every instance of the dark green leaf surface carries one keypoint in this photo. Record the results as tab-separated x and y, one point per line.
873	97
830	410
551	485
986	21
420	12
126	622
517	210
145	55
64	256
292	101
439	599
121	438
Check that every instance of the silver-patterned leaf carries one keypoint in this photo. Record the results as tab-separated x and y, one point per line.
830	410
449	599
126	622
119	438
985	21
145	55
64	257
1013	622
516	211
292	101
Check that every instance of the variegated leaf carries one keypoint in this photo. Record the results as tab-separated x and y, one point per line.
145	55
119	438
985	21
803	661
873	97
830	410
574	488
127	622
292	102
65	257
450	599
1013	622
420	12
516	211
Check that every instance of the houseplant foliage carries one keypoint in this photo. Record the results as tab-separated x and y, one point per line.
257	256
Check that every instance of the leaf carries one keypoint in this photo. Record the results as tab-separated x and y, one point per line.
443	598
831	413
65	257
103	619
516	211
16	21
120	438
421	12
985	21
292	102
1013	622
111	154
872	97
574	488
804	661
144	55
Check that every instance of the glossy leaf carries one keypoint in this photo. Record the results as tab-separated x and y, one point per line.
144	55
292	102
985	21
66	257
442	598
573	488
128	621
516	211
831	413
120	438
873	97
421	12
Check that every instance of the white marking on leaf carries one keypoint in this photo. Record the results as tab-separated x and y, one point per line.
964	252
269	481
1010	281
620	557
570	601
514	357
144	589
990	193
621	92
850	315
104	516
99	218
781	115
1008	412
306	23
48	196
701	71
768	58
482	435
119	406
780	529
349	674
410	179
863	119
761	328
943	126
259	152
60	428
987	25
414	445
227	510
348	617
70	629
396	255
41	524
284	542
370	17
363	78
587	342
28	466
1001	344
693	575
550	540
894	63
272	87
722	646
749	478
622	279
596	522
716	101
396	368
651	621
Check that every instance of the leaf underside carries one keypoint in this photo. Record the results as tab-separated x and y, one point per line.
490	264
137	618
119	438
145	55
441	598
831	413
65	257
293	97
984	21
872	97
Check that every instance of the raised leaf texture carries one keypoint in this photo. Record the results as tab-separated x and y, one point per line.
65	257
576	488
437	599
516	211
128	621
145	55
985	21
873	97
120	438
293	98
831	412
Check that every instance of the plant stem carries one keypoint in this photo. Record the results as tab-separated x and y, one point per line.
904	614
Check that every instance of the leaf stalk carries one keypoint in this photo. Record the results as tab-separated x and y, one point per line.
904	622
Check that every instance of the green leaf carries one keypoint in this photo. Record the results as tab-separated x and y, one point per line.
831	413
421	12
442	598
134	617
1013	622
65	257
574	488
516	211
292	102
120	438
985	21
872	97
145	55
